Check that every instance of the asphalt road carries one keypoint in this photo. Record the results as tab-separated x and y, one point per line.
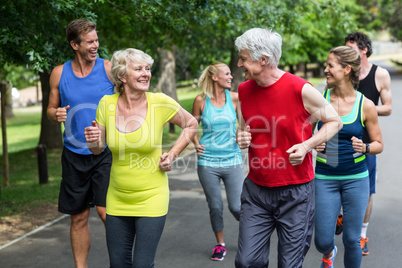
188	239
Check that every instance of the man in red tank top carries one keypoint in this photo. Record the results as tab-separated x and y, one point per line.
278	192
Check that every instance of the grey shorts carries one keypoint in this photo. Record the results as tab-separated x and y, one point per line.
289	210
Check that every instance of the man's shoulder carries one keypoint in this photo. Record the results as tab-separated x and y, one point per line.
56	72
382	78
58	68
382	73
245	85
292	77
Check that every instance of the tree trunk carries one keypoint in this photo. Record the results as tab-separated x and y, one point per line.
8	100
50	133
291	69
6	173
237	72
167	81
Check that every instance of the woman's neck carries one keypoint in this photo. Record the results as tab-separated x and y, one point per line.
344	90
218	93
132	99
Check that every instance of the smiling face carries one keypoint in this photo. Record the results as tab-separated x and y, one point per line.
88	48
224	77
137	77
250	67
334	71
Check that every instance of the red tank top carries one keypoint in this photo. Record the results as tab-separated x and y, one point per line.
278	120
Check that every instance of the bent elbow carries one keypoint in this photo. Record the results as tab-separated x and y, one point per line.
389	112
381	148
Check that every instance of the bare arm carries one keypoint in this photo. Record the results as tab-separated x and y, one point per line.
243	133
316	105
383	83
198	107
189	127
370	119
235	102
108	67
55	113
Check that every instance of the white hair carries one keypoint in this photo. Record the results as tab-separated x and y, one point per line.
120	61
261	42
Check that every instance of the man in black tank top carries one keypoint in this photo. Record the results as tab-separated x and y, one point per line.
375	85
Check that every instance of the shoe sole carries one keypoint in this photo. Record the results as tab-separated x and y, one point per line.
217	259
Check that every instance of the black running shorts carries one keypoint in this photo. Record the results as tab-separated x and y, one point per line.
85	179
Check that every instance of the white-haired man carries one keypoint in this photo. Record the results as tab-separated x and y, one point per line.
278	192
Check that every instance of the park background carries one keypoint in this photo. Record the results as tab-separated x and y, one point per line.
182	36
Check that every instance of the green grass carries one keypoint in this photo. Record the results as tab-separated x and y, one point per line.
316	81
23	129
25	192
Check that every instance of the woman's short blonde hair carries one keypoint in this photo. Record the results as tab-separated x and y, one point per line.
120	61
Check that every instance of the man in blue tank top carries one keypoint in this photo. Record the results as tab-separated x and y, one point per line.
75	90
375	84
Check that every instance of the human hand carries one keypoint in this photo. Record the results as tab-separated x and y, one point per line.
358	145
165	161
61	113
297	153
200	149
92	133
321	147
243	138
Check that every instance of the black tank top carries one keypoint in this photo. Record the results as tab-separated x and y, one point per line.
368	88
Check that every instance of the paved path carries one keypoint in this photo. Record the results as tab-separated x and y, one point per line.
188	239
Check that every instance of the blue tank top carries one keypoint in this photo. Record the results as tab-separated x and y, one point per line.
218	135
339	161
83	95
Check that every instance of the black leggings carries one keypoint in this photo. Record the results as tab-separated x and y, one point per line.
120	234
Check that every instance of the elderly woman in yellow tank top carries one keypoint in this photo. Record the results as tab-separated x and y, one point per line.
131	123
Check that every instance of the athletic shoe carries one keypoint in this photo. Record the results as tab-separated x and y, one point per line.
218	253
329	263
363	244
339	225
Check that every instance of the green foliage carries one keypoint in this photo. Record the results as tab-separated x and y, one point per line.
33	31
391	14
379	15
20	76
321	25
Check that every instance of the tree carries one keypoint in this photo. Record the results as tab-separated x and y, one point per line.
320	26
33	34
379	15
156	28
391	14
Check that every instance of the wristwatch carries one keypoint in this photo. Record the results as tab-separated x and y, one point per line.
367	148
